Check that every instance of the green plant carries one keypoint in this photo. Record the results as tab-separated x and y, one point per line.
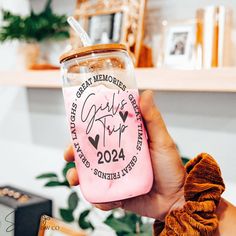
35	27
185	160
68	213
129	224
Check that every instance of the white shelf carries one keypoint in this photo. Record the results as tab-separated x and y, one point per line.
31	79
212	80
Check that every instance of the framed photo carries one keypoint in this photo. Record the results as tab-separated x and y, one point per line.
179	45
113	21
106	28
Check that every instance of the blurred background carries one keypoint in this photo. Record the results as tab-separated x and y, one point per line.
183	50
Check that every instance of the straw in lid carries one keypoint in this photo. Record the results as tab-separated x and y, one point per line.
87	47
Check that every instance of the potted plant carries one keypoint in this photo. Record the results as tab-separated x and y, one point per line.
34	30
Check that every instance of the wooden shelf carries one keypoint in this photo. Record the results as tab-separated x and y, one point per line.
212	80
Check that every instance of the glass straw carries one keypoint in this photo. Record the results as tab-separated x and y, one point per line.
86	41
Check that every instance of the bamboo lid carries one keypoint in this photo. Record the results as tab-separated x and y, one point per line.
90	49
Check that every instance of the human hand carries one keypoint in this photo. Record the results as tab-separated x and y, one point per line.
169	174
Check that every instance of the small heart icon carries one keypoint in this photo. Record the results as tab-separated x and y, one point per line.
94	142
123	115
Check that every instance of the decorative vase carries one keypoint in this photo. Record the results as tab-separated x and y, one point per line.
30	54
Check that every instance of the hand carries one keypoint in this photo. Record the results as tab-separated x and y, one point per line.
169	174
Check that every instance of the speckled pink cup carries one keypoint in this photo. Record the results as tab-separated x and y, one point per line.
108	135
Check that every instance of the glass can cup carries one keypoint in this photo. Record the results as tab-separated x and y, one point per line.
108	135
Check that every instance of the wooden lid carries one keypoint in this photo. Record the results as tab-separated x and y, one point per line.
90	49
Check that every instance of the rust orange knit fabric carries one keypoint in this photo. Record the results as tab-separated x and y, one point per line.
203	188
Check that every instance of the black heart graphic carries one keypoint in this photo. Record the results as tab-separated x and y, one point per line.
123	115
94	142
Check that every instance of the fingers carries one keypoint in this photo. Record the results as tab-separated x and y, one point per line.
157	131
165	157
73	180
69	154
108	206
72	177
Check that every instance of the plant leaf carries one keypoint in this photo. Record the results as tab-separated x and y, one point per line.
118	225
149	233
73	201
184	160
146	229
67	215
68	166
34	27
131	219
48	5
127	234
55	184
47	175
83	221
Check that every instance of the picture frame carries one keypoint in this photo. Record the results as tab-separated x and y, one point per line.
105	27
114	21
179	44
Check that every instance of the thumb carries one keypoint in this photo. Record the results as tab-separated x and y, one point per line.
156	128
165	157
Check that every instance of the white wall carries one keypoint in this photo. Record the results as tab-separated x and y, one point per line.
33	130
173	10
33	136
199	122
8	50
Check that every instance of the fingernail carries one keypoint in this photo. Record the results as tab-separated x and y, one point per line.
68	177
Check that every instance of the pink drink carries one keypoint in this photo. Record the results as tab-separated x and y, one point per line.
110	143
108	135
